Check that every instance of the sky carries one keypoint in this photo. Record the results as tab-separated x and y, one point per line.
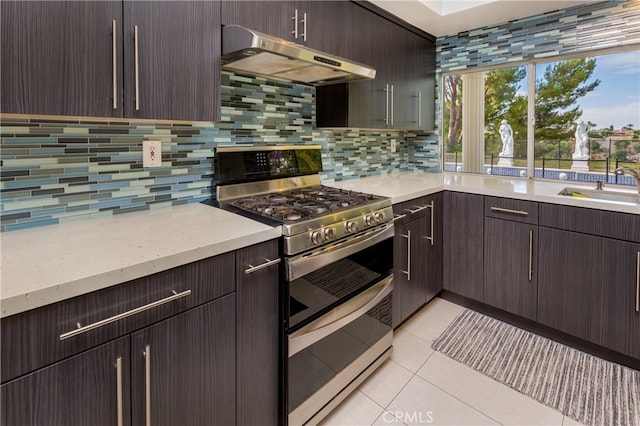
616	101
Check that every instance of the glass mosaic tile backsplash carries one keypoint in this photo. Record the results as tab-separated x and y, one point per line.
55	171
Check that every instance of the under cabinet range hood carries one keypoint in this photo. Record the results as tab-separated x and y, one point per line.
251	52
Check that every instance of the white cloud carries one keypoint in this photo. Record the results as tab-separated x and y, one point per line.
618	116
620	63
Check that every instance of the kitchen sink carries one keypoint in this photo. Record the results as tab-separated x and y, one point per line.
603	195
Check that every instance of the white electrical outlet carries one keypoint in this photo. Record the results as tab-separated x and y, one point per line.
393	145
151	153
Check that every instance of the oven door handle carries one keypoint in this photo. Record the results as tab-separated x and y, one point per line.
339	316
301	265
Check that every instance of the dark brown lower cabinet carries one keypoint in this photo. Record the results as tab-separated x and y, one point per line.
463	239
409	279
588	287
179	371
258	335
417	255
183	368
510	266
78	391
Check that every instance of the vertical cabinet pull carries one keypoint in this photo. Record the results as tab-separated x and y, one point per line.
408	271
295	24
391	104
419	109
304	27
114	60
147	384
119	399
430	237
137	66
386	105
530	254
638	283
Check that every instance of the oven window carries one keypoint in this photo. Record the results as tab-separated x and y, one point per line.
313	367
319	291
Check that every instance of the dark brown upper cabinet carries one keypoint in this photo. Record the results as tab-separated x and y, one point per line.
62	58
156	60
402	96
320	25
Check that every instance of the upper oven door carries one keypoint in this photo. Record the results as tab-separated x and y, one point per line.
320	280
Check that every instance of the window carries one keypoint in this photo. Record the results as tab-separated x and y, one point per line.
586	111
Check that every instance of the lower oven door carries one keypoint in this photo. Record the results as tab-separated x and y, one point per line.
337	350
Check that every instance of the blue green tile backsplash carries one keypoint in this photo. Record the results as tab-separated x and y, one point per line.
56	171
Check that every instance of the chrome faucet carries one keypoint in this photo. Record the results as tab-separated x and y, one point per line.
629	171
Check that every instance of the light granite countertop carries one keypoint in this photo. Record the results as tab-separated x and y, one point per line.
409	185
45	265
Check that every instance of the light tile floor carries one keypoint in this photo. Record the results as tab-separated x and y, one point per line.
419	386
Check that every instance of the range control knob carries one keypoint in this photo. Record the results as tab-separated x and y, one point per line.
369	220
351	227
379	217
329	234
316	237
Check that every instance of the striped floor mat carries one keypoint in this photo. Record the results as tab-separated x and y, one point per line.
586	388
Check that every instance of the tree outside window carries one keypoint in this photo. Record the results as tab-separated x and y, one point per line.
602	93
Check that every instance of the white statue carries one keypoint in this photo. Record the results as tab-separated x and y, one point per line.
506	133
581	151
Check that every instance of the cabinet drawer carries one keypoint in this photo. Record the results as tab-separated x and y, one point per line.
32	339
603	223
413	209
510	209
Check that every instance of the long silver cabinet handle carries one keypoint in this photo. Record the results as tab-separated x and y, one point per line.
119	397
408	271
398	217
392	107
114	59
638	283
295	24
137	66
530	254
430	237
266	264
417	209
147	384
340	316
386	107
419	109
509	211
123	315
304	27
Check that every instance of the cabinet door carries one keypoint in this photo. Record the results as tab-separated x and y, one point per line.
414	288
178	57
510	273
81	390
270	17
327	26
433	246
184	367
258	335
417	91
588	287
417	255
370	102
58	58
463	243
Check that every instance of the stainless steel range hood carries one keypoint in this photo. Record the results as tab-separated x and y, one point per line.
251	52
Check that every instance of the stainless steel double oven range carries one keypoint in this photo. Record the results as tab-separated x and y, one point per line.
337	250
